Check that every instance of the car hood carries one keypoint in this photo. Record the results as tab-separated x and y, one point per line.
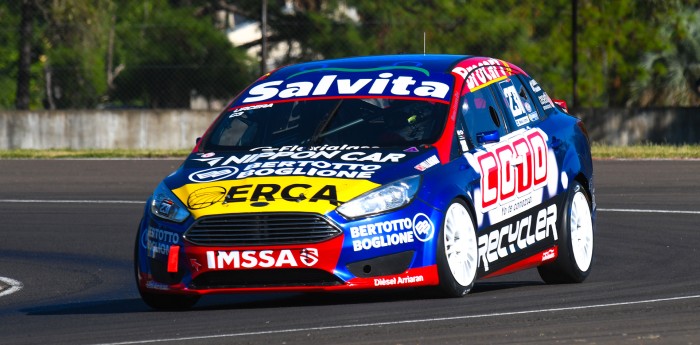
290	179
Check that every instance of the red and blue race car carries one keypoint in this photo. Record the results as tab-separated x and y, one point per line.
372	173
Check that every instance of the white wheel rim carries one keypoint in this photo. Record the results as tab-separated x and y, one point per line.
460	244
581	232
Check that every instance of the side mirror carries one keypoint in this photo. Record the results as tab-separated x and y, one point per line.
562	104
196	144
488	137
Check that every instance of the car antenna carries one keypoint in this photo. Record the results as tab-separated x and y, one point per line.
423	42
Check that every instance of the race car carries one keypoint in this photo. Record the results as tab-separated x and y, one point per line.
376	172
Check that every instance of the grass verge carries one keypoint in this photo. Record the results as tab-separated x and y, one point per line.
647	151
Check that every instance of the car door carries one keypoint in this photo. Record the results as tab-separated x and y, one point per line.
514	213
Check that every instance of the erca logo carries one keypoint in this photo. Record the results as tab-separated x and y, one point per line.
264	193
513	168
213	174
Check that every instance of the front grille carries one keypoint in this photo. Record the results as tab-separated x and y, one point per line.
261	229
264	278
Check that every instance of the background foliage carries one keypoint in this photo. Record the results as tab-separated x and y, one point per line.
162	53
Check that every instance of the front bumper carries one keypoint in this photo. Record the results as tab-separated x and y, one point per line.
392	250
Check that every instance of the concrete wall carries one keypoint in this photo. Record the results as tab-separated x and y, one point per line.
103	129
178	129
635	126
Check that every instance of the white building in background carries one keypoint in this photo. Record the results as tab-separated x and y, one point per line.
243	32
248	33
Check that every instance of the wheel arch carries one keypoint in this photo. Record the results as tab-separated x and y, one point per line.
449	285
583	181
587	185
470	203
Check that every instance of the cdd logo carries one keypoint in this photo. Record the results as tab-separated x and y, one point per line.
513	168
213	174
423	228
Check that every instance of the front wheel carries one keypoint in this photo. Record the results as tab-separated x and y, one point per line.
160	301
575	242
457	253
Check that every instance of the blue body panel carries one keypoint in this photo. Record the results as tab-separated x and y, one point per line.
556	142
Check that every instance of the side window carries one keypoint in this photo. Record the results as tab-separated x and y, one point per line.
519	103
482	115
540	98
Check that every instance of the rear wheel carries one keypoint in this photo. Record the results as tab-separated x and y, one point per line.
161	301
573	263
457	255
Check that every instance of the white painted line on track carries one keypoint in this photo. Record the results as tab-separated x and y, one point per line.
392	323
21	201
15	286
646	211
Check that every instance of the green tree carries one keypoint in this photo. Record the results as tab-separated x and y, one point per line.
478	27
10	13
75	46
310	30
545	49
9	55
329	29
671	76
171	55
86	53
612	36
158	53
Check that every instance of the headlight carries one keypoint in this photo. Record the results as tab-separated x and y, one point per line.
385	198
166	205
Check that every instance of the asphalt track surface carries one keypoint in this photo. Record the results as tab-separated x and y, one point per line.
67	228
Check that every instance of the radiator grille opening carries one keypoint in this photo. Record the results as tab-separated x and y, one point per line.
261	229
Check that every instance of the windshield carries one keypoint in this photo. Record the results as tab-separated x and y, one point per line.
380	122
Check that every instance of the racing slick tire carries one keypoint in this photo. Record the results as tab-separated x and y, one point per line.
457	252
161	301
573	263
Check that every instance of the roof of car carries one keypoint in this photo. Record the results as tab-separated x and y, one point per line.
405	76
435	63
